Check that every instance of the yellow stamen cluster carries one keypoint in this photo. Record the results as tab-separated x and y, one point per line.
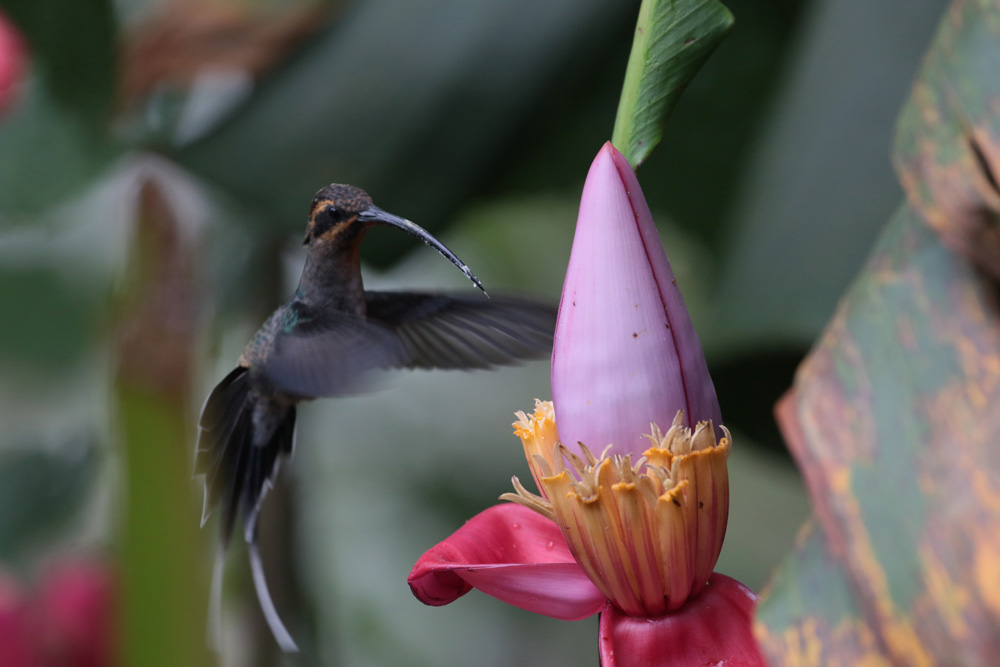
648	533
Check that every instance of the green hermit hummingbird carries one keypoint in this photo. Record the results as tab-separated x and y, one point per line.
329	339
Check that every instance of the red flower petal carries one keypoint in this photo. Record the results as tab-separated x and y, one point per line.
714	628
17	642
77	611
12	62
513	554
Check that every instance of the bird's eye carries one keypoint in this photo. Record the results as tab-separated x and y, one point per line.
327	218
334	214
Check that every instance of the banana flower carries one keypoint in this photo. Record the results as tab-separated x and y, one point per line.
629	460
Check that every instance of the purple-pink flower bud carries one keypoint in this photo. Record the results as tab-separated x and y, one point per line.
626	353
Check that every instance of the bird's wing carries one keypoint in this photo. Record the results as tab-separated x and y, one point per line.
328	353
463	331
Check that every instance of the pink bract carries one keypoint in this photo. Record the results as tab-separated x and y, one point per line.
714	628
625	353
513	554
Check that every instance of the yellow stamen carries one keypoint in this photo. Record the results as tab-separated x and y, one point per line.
647	534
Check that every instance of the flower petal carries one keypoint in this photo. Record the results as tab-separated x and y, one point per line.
77	604
714	628
625	352
13	56
513	554
558	590
18	639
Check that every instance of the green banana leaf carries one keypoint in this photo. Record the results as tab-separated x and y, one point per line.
672	41
893	417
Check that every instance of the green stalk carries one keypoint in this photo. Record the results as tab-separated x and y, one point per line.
163	594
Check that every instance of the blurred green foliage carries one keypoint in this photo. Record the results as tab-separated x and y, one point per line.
73	49
31	342
59	138
40	491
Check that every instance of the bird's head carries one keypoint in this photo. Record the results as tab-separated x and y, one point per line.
341	213
336	212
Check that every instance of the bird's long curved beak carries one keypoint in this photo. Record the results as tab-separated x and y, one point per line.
375	215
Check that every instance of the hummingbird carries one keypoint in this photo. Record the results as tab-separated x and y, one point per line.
332	338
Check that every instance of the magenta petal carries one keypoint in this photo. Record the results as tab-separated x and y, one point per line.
18	638
513	554
13	57
558	590
77	602
625	352
714	628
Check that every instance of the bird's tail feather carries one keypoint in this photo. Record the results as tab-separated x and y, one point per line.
238	473
225	433
215	602
261	467
281	635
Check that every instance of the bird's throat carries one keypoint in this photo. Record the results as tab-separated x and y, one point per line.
331	277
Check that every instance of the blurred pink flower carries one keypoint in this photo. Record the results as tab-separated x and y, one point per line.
17	648
629	519
76	604
12	62
67	622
